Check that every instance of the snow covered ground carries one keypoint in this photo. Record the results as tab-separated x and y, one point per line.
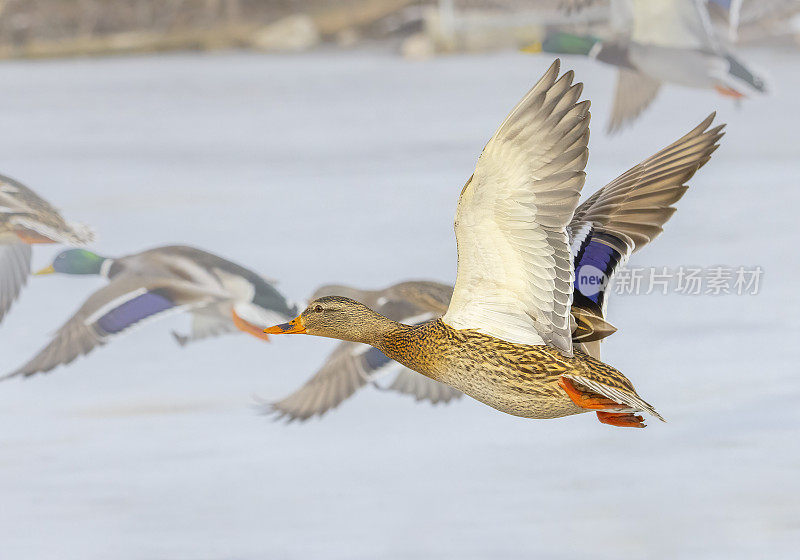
346	167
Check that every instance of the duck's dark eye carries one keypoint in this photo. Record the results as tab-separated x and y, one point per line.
318	308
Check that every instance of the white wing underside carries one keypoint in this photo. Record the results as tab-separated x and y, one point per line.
672	23
515	272
634	93
208	322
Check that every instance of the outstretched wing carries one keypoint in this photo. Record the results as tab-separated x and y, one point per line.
637	204
15	264
348	368
634	93
30	215
110	311
515	273
630	212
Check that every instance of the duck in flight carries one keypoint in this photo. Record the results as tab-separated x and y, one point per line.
153	284
506	338
656	42
26	219
618	220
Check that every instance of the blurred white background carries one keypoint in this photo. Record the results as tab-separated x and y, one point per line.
345	167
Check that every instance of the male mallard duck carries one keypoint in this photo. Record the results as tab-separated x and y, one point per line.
506	338
657	41
25	219
152	284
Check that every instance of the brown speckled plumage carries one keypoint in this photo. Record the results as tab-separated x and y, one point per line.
514	378
518	379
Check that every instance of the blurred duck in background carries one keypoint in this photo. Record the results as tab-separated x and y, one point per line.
153	284
509	337
618	220
655	42
27	219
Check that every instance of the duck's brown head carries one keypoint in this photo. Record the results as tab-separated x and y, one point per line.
336	317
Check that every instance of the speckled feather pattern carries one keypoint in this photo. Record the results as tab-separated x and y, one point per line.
517	379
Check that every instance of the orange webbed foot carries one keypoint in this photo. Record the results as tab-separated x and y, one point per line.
248	327
589	401
32	237
728	92
621	420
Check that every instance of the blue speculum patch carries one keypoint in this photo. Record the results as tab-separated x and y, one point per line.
594	264
133	311
374	359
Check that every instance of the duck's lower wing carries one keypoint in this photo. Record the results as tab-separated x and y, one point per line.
634	93
15	265
112	310
409	382
350	367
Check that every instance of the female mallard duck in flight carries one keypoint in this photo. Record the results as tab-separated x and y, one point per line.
506	338
618	220
150	285
25	219
657	41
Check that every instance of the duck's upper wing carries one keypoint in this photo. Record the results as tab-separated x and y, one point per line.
15	264
634	93
515	273
635	206
126	302
27	213
425	296
629	213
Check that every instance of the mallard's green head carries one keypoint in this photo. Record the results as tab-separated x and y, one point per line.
75	261
559	42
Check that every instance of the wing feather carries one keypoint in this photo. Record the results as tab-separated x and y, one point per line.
515	267
633	94
636	205
15	264
344	372
112	310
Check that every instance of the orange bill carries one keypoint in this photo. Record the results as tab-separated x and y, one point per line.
248	327
295	326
